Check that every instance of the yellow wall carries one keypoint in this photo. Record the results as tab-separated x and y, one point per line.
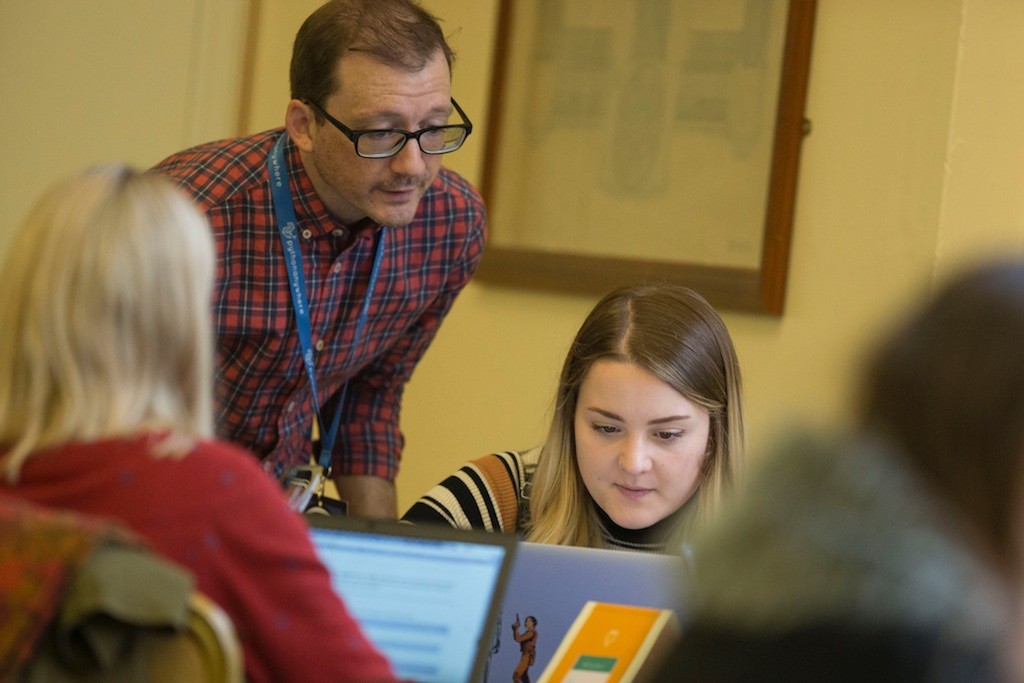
915	164
110	80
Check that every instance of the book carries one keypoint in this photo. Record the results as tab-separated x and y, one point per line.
610	643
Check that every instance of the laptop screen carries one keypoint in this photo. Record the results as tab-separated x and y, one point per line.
427	597
552	583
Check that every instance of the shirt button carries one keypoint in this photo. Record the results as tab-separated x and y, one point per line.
336	268
307	233
320	345
339	232
290	407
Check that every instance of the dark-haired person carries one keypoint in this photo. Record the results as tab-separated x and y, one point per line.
342	245
895	553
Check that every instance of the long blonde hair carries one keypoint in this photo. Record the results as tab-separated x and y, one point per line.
105	328
673	333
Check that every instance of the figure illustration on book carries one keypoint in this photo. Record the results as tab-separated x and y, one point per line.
527	647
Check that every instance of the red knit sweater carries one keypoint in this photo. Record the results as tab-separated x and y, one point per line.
215	512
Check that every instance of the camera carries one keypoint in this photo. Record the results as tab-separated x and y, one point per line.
304	487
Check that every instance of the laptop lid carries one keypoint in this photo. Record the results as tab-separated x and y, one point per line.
426	596
552	583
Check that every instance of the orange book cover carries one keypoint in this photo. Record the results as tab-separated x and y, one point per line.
611	644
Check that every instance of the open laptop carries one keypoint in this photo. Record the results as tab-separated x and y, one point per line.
552	584
426	596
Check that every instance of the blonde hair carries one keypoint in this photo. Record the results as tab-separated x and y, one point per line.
673	333
105	328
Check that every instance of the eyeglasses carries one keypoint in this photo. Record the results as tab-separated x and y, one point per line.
387	142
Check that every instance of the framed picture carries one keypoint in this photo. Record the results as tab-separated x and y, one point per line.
635	140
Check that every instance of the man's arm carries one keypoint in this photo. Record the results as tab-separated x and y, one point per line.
369	443
368	496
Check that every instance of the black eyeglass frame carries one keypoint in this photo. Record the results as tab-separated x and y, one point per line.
354	135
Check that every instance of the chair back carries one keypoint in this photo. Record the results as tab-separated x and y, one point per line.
209	650
84	601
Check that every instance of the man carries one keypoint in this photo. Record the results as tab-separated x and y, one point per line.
381	242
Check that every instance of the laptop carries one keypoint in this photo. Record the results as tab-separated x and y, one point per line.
426	596
552	583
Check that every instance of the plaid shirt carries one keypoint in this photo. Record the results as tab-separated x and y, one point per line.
264	400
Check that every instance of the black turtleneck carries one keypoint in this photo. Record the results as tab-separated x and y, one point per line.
653	539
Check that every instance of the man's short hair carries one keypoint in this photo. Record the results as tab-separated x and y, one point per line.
399	33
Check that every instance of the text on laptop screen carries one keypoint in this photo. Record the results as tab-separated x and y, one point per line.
422	602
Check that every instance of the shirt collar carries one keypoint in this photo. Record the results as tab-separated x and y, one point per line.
656	537
310	210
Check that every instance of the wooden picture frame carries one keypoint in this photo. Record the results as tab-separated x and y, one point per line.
634	140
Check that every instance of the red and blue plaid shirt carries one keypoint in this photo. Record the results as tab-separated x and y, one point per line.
263	396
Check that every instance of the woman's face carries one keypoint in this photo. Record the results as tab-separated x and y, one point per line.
640	444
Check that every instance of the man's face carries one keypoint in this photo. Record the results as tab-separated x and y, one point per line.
372	95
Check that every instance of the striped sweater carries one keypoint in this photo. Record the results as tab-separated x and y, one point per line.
493	493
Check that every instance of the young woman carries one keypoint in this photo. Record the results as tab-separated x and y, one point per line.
647	434
105	409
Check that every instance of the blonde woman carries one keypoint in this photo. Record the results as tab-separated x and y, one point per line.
647	434
105	392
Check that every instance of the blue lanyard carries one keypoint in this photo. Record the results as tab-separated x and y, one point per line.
287	225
